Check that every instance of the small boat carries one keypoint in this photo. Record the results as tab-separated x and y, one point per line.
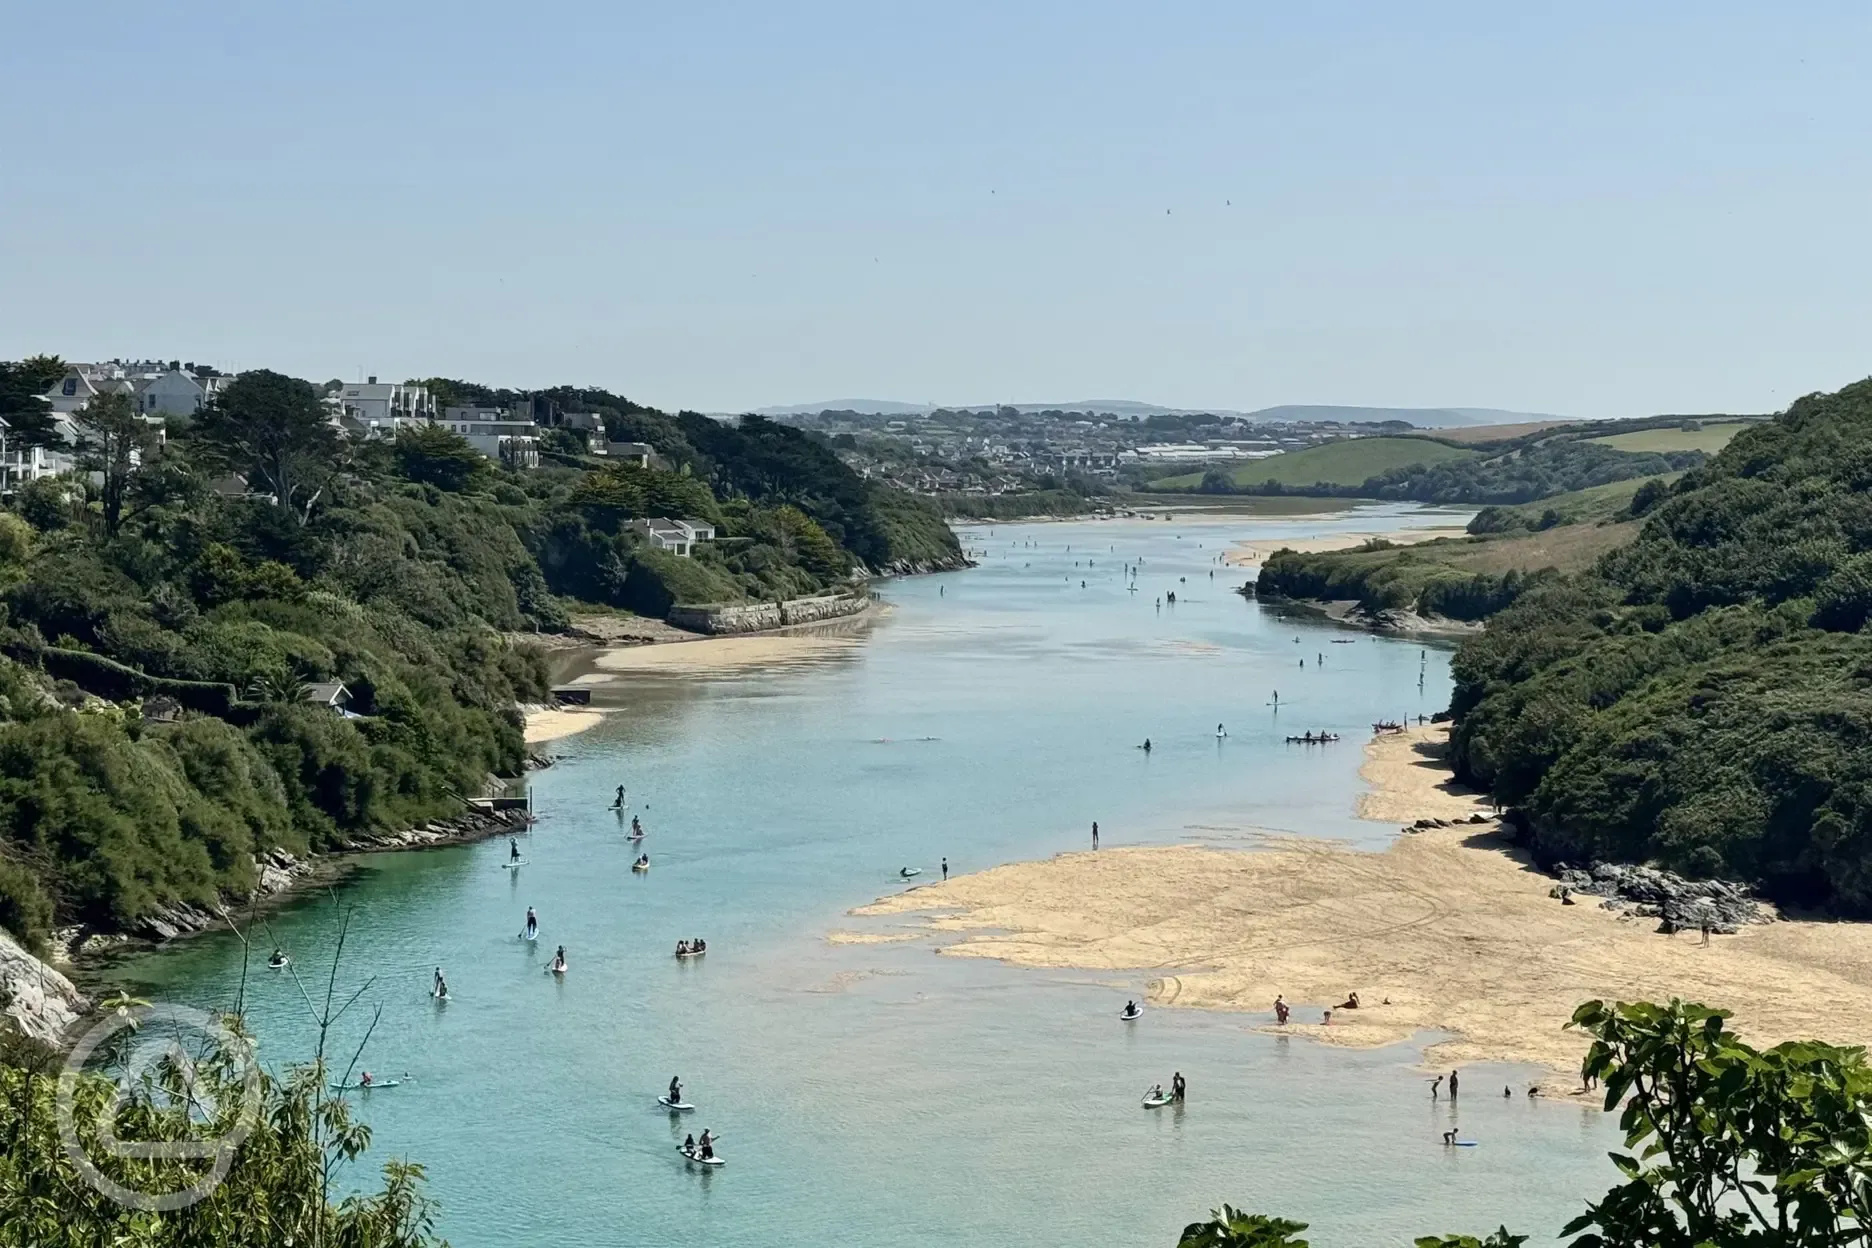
366	1087
1130	1016
1158	1102
675	1107
907	872
697	1159
640	866
280	965
1322	738
693	953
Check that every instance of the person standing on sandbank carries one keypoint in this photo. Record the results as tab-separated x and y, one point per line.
945	868
1095	834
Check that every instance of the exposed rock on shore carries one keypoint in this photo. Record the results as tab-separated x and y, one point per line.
1682	905
35	998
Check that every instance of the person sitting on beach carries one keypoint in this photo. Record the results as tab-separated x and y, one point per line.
1350	1003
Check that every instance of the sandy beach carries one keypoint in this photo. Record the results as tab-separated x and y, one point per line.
1450	925
709	654
1251	554
550	723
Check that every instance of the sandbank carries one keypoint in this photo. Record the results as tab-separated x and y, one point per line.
718	653
551	723
1251	553
1409	779
1452	925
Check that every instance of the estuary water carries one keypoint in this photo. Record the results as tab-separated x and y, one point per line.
876	1094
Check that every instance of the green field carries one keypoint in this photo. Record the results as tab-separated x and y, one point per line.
1349	462
1708	438
1594	505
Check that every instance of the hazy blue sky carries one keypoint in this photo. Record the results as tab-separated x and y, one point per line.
1604	209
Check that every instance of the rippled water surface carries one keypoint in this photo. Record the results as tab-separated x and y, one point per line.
878	1095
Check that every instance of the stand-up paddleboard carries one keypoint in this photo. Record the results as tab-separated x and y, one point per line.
635	836
675	1107
557	970
531	936
1465	1143
366	1087
697	1159
441	998
515	865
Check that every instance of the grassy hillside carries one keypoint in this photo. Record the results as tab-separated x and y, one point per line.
1347	463
1594	505
1708	438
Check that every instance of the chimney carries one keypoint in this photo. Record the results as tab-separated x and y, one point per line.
373	380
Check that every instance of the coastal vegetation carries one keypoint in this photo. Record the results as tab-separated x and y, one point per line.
1332	466
1726	1145
1698	698
260	634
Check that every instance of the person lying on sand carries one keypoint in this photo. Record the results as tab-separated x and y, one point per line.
1350	1003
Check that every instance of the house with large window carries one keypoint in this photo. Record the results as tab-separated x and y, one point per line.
378	410
678	537
499	433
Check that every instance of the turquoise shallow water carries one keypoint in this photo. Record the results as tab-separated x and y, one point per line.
877	1095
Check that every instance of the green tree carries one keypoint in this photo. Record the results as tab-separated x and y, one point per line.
272	427
1731	1145
1229	1227
23	407
434	455
112	440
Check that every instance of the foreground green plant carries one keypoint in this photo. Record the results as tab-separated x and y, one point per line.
1730	1146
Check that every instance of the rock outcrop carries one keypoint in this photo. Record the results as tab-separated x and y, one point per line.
1678	904
35	998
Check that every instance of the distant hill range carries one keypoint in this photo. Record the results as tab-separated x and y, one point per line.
1130	409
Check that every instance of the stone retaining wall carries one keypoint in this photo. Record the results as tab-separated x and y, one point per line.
756	617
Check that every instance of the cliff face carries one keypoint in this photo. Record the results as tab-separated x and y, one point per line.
35	998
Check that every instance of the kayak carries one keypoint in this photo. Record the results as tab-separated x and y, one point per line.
1158	1102
698	1159
365	1087
675	1107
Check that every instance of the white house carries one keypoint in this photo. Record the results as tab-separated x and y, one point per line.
496	432
171	392
84	382
379	410
678	537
